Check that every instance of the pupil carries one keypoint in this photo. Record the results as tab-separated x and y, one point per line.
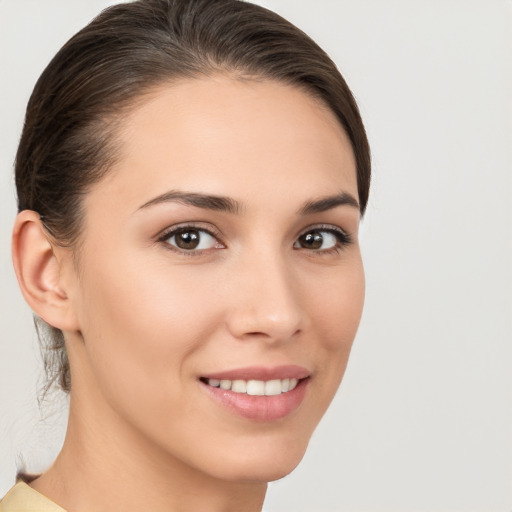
187	240
312	240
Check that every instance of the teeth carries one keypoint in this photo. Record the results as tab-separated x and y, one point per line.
255	387
239	386
224	384
273	387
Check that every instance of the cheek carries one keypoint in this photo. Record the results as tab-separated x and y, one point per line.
142	320
154	299
142	327
336	311
337	306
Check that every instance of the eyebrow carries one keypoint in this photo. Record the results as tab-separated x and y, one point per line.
206	201
229	205
328	203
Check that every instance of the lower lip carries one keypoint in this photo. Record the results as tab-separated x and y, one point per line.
260	408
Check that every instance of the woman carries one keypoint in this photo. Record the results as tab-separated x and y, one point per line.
190	178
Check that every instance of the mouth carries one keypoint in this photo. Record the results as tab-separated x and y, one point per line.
254	387
258	393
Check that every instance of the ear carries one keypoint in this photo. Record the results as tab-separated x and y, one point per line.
39	268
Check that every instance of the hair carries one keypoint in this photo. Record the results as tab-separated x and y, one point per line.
69	138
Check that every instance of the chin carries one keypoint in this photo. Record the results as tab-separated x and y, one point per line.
267	465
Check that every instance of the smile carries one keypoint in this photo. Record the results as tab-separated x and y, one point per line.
259	393
255	387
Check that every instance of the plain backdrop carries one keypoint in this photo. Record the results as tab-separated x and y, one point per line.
422	421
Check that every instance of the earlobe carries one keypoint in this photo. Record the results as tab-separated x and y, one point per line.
39	272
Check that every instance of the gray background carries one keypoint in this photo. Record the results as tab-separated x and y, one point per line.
423	418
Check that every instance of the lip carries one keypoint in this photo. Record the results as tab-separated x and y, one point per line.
289	371
260	408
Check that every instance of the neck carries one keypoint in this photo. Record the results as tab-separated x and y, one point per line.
105	465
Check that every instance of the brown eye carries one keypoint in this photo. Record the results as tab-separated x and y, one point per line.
190	239
312	240
187	239
317	240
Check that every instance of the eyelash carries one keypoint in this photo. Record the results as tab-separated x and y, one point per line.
183	228
343	238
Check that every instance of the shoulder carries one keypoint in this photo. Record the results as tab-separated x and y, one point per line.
22	498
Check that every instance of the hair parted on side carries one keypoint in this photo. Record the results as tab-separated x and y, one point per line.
69	137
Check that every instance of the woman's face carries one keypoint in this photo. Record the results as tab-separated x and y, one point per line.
223	246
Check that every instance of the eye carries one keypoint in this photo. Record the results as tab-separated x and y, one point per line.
321	239
189	238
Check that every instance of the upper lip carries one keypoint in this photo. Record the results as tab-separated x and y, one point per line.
264	373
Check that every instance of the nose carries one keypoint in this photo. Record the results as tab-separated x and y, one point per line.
265	303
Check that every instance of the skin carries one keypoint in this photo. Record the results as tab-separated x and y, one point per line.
143	320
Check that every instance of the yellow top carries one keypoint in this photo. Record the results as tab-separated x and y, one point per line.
22	498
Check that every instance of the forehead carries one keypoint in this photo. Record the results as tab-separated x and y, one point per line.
241	138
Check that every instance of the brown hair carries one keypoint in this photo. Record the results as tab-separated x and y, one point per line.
68	141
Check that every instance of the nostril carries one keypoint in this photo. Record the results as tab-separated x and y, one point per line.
272	335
